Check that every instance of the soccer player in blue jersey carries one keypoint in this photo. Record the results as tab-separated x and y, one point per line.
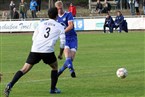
66	19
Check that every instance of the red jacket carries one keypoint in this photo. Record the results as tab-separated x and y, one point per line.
72	9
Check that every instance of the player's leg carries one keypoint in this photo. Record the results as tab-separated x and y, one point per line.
72	53
16	77
67	53
50	58
54	78
32	59
66	50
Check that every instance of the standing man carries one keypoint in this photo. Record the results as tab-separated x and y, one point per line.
132	7
33	8
72	9
11	6
137	7
44	39
23	9
66	19
109	23
39	5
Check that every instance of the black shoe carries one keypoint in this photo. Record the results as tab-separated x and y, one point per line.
7	90
73	75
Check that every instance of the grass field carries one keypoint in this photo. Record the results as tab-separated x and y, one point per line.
99	56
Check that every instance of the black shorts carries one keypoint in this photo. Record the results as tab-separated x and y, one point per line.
34	58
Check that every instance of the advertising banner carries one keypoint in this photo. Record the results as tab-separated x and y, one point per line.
79	24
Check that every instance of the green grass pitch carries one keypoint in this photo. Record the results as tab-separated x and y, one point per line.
99	56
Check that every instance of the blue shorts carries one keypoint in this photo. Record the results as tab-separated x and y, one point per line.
72	43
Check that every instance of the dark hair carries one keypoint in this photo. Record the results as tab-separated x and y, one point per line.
53	13
119	12
107	13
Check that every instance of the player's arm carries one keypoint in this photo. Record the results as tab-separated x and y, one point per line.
62	43
70	23
70	26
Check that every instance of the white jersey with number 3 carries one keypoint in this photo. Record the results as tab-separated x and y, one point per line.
46	35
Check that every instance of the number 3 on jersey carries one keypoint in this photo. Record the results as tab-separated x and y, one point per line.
46	35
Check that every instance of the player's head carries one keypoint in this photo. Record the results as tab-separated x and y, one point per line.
53	13
59	6
119	13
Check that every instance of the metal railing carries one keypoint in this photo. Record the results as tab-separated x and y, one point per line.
88	17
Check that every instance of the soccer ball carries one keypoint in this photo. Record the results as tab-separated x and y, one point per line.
121	73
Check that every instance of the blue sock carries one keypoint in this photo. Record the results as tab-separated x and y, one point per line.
70	65
63	67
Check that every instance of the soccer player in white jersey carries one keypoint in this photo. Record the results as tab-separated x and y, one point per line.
44	39
66	19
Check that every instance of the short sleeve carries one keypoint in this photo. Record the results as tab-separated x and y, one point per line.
70	17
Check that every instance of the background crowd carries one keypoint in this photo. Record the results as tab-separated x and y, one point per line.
133	5
34	6
20	10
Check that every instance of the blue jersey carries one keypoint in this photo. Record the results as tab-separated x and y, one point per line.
119	19
64	19
109	21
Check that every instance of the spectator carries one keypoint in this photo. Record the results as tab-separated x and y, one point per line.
39	5
23	9
107	7
99	7
118	4
4	15
72	9
33	8
109	23
144	6
15	14
128	4
120	22
11	6
131	3
137	7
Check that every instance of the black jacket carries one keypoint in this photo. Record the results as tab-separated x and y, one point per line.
15	15
99	6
